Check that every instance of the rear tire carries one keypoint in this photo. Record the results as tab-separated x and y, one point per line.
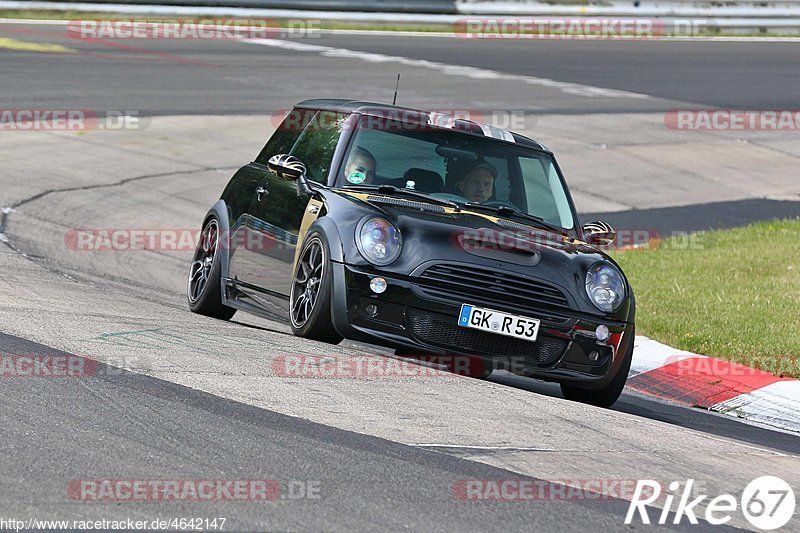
310	296
204	288
608	395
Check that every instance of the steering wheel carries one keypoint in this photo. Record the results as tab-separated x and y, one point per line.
501	203
448	196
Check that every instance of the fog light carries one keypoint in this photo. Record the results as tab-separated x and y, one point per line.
602	333
594	356
371	309
378	285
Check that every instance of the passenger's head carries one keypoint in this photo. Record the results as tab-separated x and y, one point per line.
477	185
360	160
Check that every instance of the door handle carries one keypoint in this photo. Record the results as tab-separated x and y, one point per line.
261	190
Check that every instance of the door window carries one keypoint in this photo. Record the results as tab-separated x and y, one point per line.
286	135
317	143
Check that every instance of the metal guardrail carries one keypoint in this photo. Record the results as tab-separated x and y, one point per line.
485	7
640	8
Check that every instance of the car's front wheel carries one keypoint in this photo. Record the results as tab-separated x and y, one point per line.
204	289
310	297
606	396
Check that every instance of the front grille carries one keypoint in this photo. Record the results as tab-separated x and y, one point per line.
442	331
478	285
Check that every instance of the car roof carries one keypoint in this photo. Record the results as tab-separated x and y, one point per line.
341	105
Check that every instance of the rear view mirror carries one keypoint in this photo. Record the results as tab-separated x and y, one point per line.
457	154
599	233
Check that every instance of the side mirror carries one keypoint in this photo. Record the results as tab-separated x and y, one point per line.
288	167
599	233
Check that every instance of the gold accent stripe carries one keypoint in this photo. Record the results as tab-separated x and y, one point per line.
450	211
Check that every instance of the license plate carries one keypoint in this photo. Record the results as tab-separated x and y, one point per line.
519	327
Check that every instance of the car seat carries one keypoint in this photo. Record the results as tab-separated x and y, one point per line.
424	180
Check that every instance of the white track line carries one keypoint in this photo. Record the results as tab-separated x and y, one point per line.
482	448
444	68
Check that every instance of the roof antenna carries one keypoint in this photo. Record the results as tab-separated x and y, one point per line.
394	100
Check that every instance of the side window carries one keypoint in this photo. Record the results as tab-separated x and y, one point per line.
286	134
316	145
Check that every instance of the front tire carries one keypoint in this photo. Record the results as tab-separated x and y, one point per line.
204	288
310	296
608	395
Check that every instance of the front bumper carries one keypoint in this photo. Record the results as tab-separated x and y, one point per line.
409	318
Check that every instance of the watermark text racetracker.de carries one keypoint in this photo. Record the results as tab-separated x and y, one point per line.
485	239
170	240
406	119
371	366
519	490
41	366
37	365
127	490
540	27
70	120
488	239
748	366
194	29
733	120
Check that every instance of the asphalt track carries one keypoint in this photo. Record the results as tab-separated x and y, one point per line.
172	77
171	432
735	75
385	452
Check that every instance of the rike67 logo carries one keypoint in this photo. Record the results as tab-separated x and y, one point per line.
767	502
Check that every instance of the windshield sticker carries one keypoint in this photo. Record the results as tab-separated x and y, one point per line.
356	177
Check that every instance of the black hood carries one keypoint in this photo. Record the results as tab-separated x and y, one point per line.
433	234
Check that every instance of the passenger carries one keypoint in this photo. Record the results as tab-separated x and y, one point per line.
360	166
477	185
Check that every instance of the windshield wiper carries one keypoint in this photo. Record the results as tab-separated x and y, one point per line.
391	189
509	212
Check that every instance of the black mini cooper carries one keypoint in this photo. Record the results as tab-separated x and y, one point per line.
430	234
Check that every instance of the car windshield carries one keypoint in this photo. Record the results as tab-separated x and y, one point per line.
462	168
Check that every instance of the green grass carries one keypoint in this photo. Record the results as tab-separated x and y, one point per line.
731	294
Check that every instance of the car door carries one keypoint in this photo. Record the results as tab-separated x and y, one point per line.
244	189
276	213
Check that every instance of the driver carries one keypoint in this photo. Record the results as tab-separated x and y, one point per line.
477	185
360	166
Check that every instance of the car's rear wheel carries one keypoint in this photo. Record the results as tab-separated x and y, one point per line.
606	396
204	288
310	297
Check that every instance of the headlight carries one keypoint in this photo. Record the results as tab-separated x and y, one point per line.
378	241
605	287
